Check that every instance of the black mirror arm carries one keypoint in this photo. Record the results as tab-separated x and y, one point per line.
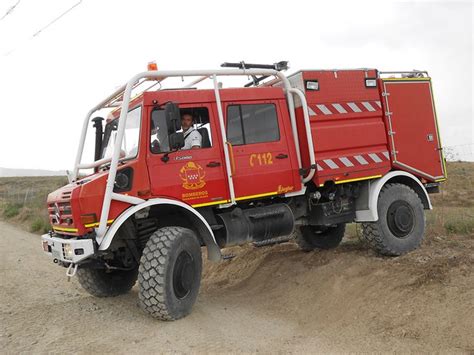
165	158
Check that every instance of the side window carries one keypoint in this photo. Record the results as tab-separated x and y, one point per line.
253	123
235	133
195	125
159	132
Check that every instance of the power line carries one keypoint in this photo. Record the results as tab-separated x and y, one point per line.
10	10
56	19
37	33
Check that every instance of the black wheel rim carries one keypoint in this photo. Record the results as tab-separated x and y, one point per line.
400	218
183	275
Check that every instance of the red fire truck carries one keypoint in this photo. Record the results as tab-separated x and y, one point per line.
299	155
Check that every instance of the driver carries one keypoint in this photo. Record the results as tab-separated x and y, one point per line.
192	138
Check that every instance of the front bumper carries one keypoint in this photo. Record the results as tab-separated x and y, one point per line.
67	250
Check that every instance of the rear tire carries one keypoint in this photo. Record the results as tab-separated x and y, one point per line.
312	237
401	224
169	275
103	283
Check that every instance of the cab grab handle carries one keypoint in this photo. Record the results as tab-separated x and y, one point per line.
213	164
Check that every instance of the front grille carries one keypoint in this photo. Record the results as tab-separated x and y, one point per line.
60	213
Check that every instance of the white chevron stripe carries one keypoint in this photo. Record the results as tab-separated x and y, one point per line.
311	112
324	109
354	107
319	167
378	104
361	159
375	157
346	161
386	155
339	108
368	106
331	163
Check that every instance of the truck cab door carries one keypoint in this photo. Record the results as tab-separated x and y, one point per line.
195	176
263	157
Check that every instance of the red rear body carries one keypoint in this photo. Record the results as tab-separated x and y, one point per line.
362	132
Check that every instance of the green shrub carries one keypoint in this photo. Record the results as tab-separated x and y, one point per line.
11	210
459	226
40	225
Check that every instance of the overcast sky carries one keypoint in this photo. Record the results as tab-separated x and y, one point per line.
49	81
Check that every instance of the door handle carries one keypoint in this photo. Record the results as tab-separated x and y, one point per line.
282	156
213	164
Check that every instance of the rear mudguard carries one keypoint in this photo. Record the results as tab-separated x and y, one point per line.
375	186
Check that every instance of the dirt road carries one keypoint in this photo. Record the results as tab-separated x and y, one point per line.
273	299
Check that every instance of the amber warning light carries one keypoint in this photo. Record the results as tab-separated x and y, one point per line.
152	66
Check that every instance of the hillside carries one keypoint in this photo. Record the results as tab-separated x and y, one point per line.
8	172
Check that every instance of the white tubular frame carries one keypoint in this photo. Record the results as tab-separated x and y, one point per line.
228	167
309	137
126	90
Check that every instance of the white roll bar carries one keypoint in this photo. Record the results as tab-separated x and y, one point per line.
126	90
307	126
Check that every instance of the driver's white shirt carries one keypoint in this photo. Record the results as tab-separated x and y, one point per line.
192	138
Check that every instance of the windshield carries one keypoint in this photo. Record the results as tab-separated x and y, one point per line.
130	138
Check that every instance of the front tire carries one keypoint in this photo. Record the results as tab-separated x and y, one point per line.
321	237
169	275
104	283
401	224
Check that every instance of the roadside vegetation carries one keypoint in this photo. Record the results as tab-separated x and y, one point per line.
23	202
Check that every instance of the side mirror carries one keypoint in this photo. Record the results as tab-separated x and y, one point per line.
173	119
176	140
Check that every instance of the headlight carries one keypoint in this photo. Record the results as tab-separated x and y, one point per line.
68	251
123	180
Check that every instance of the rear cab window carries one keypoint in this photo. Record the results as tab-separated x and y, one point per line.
252	123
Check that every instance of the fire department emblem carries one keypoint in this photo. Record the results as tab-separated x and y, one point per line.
192	175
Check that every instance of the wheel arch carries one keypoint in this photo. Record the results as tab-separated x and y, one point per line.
164	205
370	213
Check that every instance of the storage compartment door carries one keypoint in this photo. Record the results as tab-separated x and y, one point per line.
413	129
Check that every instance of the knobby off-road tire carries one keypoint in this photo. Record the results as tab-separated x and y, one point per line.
401	224
101	283
312	237
169	275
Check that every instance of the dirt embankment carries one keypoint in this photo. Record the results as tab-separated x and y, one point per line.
265	299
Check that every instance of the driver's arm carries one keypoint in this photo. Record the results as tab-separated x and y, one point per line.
196	140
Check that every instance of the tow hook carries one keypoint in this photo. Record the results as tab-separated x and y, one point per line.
71	271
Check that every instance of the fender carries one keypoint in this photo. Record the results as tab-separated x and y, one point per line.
213	250
375	186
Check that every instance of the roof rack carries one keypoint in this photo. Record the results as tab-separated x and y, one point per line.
281	65
139	87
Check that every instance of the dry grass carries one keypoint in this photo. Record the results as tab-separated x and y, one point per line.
23	202
453	211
